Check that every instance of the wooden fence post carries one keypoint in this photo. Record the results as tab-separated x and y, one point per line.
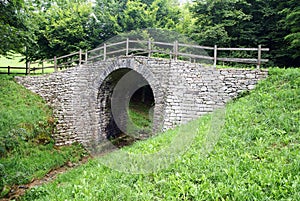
127	46
86	56
42	67
80	56
175	49
259	57
104	52
55	64
28	67
149	48
215	55
26	70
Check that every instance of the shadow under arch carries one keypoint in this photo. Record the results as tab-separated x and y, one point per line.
149	94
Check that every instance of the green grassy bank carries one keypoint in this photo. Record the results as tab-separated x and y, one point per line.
256	157
27	150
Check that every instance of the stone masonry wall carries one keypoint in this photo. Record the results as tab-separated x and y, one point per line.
182	91
194	90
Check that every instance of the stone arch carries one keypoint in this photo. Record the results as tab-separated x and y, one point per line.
106	83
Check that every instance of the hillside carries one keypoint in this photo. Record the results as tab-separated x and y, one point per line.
27	150
256	156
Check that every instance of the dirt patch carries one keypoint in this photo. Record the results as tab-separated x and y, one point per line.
19	190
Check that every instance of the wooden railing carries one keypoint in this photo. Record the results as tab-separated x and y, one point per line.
174	51
128	47
58	63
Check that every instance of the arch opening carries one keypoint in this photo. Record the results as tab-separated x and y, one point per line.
137	105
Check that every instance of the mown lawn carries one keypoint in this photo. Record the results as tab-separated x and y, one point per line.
256	156
27	150
15	61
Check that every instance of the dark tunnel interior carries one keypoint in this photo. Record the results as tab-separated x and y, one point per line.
140	110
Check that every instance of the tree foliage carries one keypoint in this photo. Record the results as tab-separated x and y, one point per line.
293	24
66	28
41	28
62	27
13	26
248	23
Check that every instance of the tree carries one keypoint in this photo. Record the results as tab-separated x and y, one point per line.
62	27
247	23
186	20
136	15
119	16
166	13
293	24
107	20
67	29
217	21
14	26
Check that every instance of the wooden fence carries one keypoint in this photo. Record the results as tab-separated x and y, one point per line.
11	70
175	51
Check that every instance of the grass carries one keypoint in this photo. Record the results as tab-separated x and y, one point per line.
140	116
256	157
27	150
14	61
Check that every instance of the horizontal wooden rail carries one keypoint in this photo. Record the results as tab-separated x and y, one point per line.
95	50
196	56
115	44
137	50
116	51
162	43
196	46
243	49
10	68
68	55
138	41
242	60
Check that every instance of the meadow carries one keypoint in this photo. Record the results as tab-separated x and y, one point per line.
256	156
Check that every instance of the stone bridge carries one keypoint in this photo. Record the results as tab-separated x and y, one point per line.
180	91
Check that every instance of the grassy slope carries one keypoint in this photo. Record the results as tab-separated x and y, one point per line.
26	148
256	158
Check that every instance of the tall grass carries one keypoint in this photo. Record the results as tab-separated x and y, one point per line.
257	156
